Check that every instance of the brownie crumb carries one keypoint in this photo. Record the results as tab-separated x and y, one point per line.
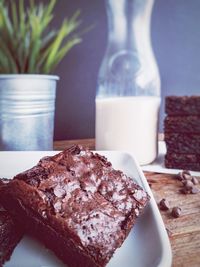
164	204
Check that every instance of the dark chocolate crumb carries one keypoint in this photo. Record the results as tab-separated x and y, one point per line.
176	212
164	204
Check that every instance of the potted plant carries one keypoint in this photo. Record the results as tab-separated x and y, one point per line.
29	53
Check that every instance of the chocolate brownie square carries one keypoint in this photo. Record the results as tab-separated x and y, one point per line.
182	161
10	235
184	158
76	204
182	105
185	143
182	124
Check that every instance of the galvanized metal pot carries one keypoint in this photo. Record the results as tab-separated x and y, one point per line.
27	104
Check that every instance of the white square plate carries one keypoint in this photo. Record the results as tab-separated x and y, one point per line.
146	246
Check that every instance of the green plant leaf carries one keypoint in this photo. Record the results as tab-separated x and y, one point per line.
33	58
4	64
7	53
64	50
22	17
47	40
26	44
55	45
47	15
14	15
68	26
5	21
50	8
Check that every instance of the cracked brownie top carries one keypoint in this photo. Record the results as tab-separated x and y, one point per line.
78	193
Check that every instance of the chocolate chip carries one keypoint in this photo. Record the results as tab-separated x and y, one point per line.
184	175
180	176
164	204
187	176
194	180
195	190
188	185
176	212
186	172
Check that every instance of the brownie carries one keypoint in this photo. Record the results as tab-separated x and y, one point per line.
182	124
10	235
183	143
183	165
182	105
76	204
183	158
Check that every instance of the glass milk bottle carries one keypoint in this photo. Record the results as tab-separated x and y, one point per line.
128	92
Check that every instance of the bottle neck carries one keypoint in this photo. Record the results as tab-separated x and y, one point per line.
129	23
129	67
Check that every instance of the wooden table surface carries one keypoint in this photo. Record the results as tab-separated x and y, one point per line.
184	232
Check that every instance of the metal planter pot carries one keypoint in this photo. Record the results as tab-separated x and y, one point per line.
27	105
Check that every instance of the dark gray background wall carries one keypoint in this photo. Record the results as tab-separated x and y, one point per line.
176	43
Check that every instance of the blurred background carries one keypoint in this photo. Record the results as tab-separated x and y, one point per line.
176	43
